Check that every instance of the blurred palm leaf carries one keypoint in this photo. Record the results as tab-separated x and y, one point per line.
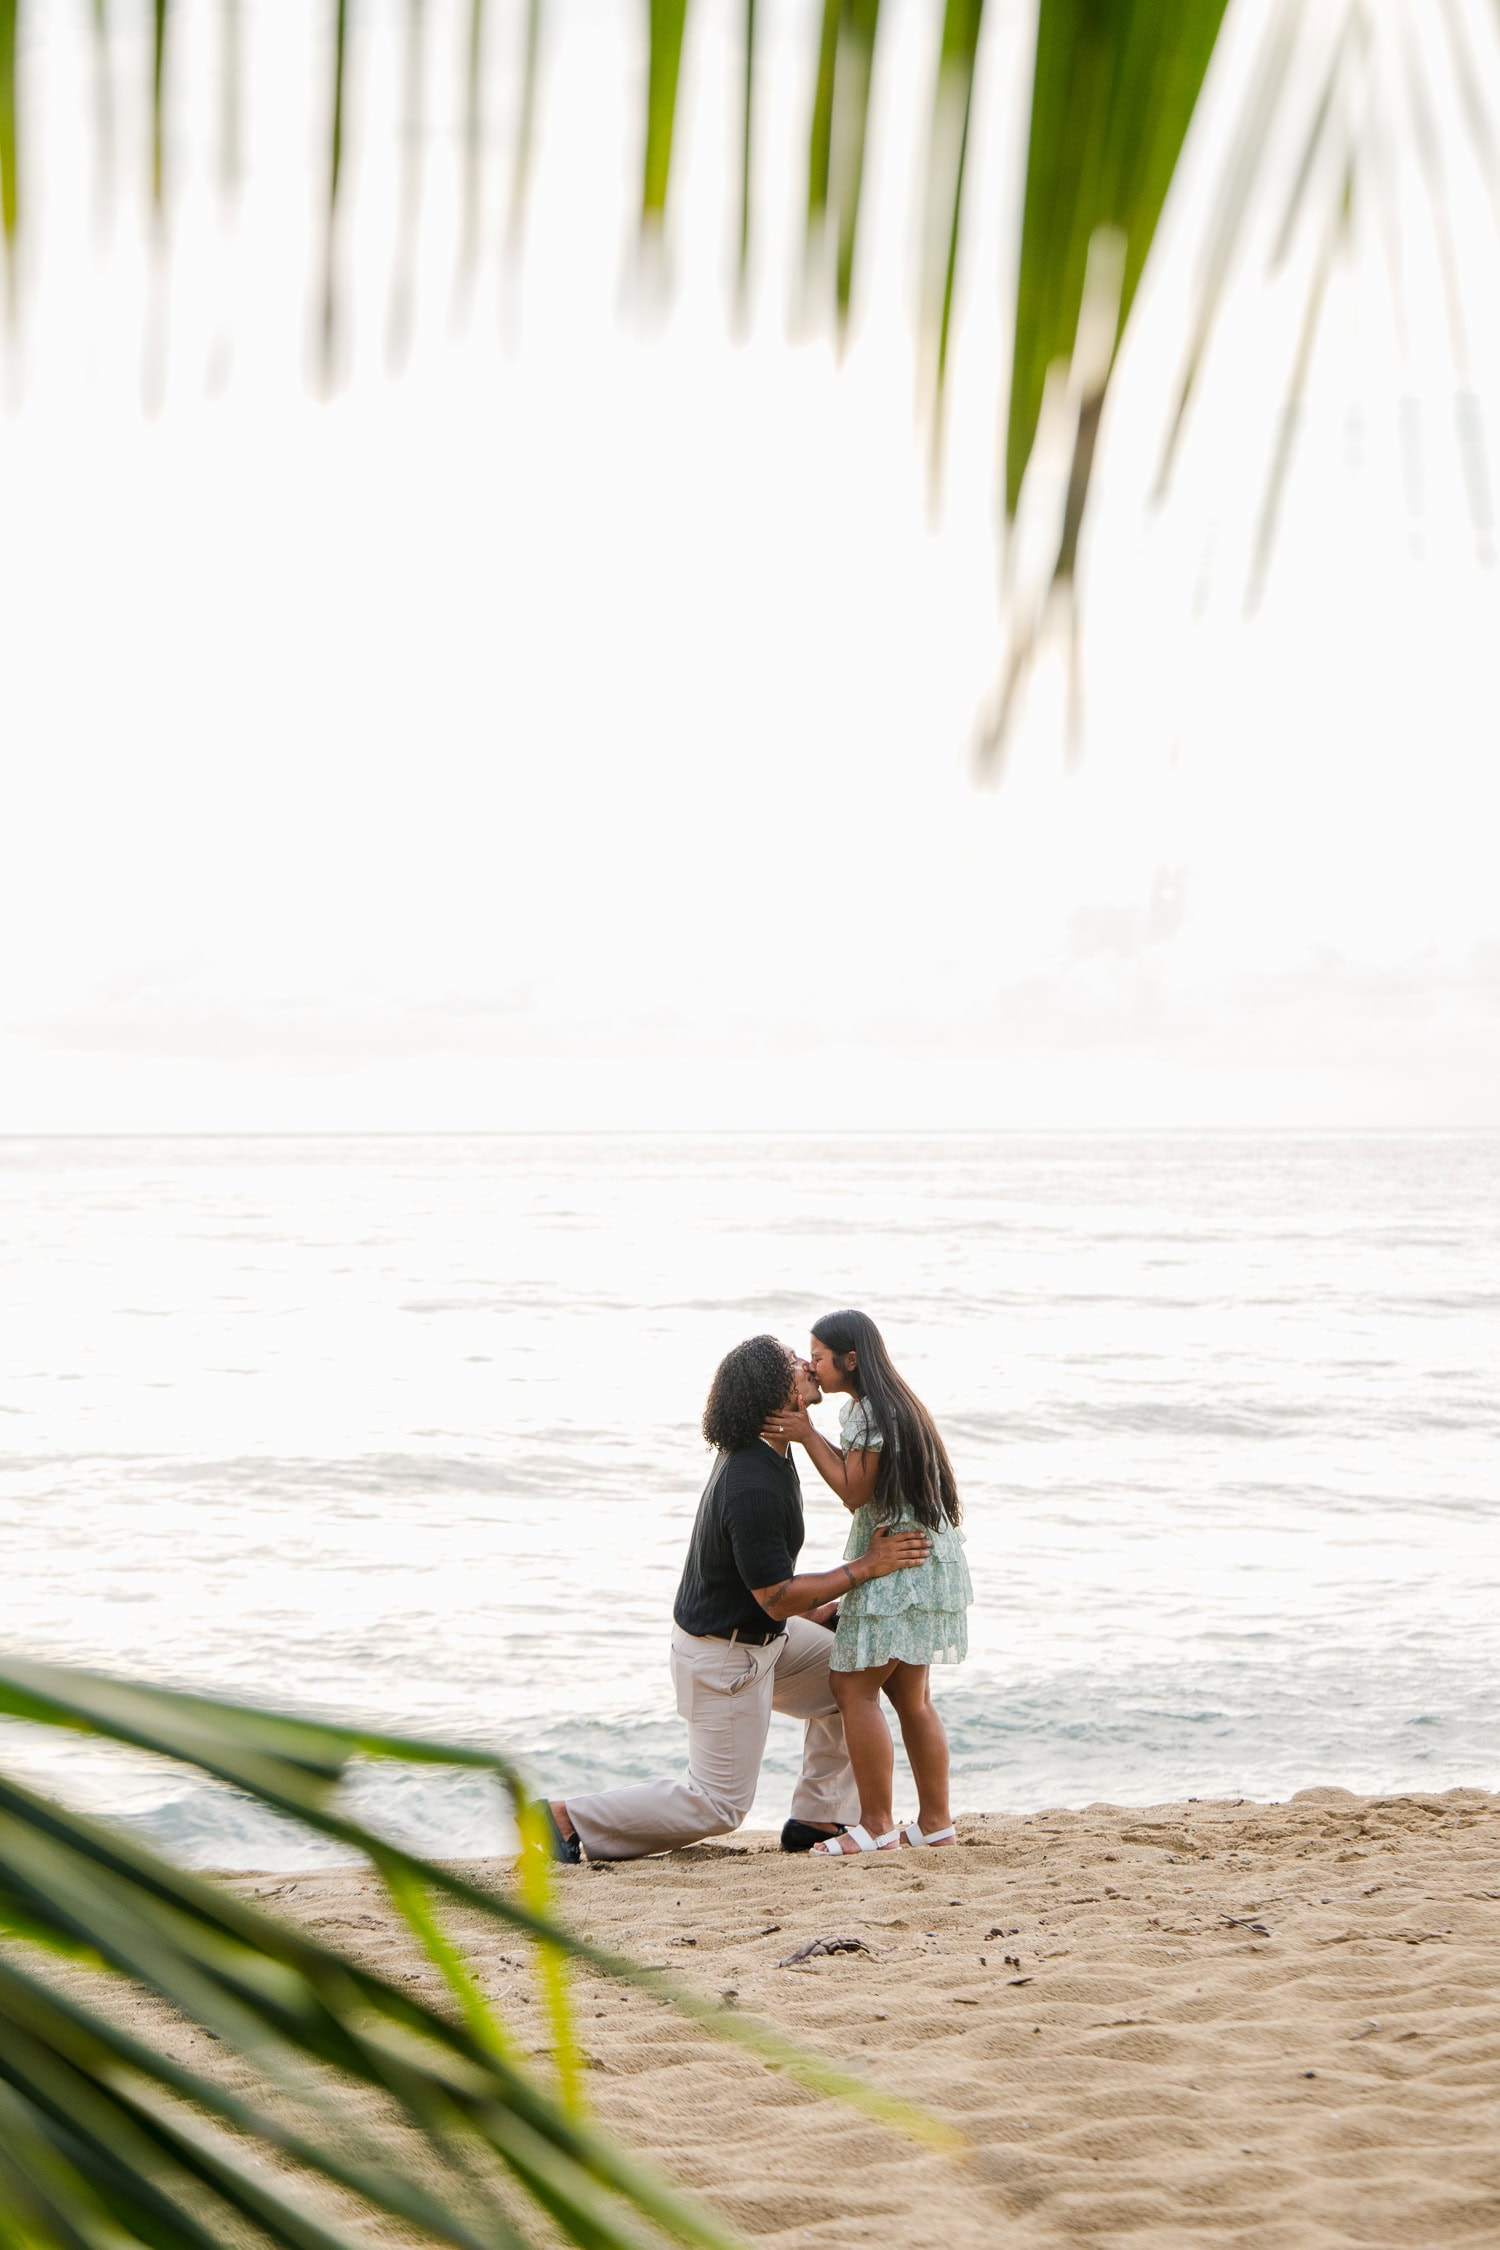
1232	207
1113	93
668	21
329	328
473	148
230	98
159	22
947	158
104	111
526	114
104	2137
747	146
1116	88
409	195
853	82
10	194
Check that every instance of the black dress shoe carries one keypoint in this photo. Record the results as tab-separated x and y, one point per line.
796	1836
566	1848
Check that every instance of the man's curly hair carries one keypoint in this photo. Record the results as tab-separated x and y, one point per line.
751	1382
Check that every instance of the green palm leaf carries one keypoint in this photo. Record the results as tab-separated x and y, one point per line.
160	20
820	124
1232	208
473	150
103	2134
231	97
747	146
10	195
1115	86
837	132
947	158
668	22
402	302
329	330
520	177
104	111
854	79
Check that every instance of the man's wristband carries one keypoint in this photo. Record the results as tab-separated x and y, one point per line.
849	1574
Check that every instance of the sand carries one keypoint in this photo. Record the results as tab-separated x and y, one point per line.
1267	2024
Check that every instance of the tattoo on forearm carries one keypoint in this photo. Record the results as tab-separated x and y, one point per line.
776	1593
853	1581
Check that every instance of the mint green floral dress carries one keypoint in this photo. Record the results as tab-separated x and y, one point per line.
920	1616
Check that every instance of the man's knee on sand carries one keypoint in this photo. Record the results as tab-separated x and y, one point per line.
730	1809
697	1813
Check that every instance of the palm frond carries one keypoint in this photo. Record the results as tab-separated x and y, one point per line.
1233	205
947	159
402	302
330	322
231	103
1114	91
747	147
297	1766
314	2024
838	130
1319	128
160	25
10	197
526	115
668	25
854	82
1113	94
1478	122
103	113
1471	448
290	2005
1335	235
473	150
820	139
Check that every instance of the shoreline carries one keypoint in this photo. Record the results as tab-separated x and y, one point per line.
973	1827
1272	2023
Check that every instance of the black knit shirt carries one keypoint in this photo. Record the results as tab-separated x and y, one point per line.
748	1533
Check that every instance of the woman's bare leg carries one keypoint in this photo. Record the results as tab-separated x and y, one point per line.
869	1739
926	1744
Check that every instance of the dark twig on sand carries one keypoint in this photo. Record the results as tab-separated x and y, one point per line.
825	1945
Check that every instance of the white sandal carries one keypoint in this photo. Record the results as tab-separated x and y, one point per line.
913	1835
832	1847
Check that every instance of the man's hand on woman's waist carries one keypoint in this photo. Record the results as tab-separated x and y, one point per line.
888	1551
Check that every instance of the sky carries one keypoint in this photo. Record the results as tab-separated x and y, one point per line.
575	728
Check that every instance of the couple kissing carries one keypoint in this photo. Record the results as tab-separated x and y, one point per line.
753	1635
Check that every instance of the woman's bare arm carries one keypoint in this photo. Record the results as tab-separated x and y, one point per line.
851	1475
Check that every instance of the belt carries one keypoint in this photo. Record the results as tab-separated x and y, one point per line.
747	1637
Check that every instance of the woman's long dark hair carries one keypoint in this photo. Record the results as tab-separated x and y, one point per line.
915	1473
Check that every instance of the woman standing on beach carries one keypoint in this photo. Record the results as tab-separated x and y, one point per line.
892	1472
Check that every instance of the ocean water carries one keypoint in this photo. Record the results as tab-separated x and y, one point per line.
405	1430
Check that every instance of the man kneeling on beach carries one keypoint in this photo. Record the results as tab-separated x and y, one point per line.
751	1637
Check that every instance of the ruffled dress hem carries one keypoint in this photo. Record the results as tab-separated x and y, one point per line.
909	1636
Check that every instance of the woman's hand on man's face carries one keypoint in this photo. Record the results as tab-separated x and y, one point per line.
788	1422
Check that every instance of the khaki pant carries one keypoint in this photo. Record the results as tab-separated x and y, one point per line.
727	1690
